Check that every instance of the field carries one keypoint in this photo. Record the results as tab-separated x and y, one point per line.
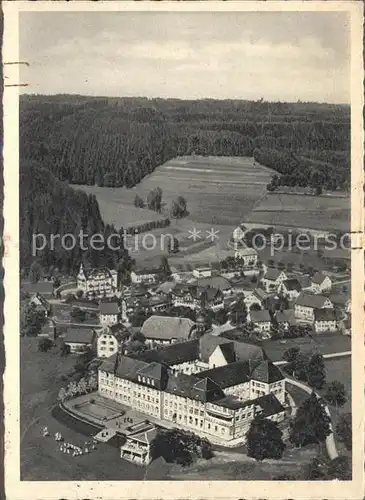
221	192
41	460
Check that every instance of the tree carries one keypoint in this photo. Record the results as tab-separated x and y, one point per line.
182	447
316	374
138	201
154	199
336	393
344	430
65	350
178	207
32	320
35	272
138	336
311	424
45	344
255	307
291	354
238	313
264	439
78	315
340	468
165	268
173	246
318	190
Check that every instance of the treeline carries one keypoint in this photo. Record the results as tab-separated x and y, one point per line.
117	141
304	172
52	215
147	226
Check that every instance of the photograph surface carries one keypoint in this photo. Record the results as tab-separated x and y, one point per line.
185	310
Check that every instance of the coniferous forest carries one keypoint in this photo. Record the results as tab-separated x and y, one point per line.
113	142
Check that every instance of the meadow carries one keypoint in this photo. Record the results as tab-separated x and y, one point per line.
221	192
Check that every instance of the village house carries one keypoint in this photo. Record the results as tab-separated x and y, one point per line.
290	288
41	304
321	283
97	283
106	344
146	275
220	402
325	320
109	313
195	297
217	282
202	272
257	297
79	339
285	319
247	256
167	329
272	279
156	303
261	321
307	303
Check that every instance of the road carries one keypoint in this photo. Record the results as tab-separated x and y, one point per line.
330	440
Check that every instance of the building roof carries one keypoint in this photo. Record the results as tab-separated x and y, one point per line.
261	294
229	375
228	352
311	300
260	316
246	252
167	327
217	282
266	372
145	437
209	292
109	308
153	370
166	287
292	284
305	281
172	354
155	300
270	405
79	335
319	278
272	274
41	287
324	315
286	316
97	272
145	272
243	351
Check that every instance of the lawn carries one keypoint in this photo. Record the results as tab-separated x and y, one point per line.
234	466
41	460
324	344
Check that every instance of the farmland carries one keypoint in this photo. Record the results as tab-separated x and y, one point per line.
221	192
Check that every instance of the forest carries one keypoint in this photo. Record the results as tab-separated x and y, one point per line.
51	207
117	141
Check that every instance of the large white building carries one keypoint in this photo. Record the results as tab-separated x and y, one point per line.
230	385
97	283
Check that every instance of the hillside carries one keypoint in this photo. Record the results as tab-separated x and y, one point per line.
116	142
51	207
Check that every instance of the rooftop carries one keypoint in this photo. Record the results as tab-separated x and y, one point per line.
272	274
292	284
167	327
41	287
311	300
324	315
260	316
79	335
109	308
319	278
